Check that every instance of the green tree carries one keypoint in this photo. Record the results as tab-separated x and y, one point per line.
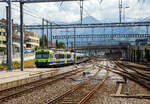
43	41
57	44
61	45
37	47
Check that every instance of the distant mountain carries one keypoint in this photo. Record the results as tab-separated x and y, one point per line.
88	19
147	19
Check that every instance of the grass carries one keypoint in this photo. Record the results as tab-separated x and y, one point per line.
29	64
16	64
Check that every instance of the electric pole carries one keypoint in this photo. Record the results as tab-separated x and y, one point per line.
120	10
21	36
43	43
81	10
10	65
7	31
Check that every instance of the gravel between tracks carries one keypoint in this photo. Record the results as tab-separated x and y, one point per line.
102	96
39	96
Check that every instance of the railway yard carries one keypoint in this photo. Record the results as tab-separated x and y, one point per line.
74	52
101	80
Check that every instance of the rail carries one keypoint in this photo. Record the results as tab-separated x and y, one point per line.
78	86
9	93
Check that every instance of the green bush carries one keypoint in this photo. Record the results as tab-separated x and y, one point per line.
16	64
3	66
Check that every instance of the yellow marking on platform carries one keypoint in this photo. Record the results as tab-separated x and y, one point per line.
42	72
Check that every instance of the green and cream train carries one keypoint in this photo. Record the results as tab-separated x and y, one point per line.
46	57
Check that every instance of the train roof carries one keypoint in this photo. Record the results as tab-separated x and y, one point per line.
43	50
52	50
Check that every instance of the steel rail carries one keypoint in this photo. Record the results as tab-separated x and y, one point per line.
134	71
72	89
33	87
86	98
129	75
139	74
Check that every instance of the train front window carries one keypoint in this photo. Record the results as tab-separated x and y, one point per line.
38	55
42	55
45	55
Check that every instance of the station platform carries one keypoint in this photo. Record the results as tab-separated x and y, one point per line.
17	77
8	76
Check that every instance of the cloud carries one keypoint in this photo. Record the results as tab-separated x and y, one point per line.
70	11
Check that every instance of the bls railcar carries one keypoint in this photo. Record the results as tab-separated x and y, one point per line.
46	57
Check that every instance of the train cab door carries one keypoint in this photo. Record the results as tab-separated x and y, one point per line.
53	57
65	54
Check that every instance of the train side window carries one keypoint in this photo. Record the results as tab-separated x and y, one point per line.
59	56
78	58
68	56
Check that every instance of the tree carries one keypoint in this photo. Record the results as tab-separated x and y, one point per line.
37	47
57	44
61	45
43	41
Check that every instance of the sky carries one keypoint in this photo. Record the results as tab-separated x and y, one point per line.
70	11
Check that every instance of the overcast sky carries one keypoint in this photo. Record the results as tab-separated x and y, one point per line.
70	11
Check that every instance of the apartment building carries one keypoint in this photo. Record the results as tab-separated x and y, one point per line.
32	40
2	40
16	41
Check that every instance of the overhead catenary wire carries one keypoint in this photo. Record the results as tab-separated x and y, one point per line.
84	9
30	13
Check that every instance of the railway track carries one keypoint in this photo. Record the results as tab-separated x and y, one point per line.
27	88
81	92
146	64
131	73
